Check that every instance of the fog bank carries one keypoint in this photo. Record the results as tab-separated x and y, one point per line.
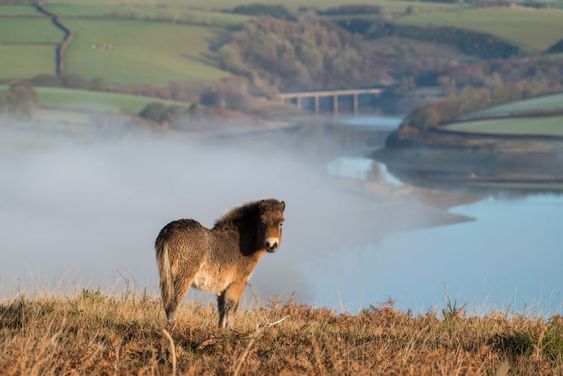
85	212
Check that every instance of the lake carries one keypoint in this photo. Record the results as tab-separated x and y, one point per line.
508	257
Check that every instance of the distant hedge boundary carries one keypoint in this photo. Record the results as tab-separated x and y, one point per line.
67	39
475	43
557	48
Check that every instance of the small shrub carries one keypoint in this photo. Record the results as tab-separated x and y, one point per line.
276	11
514	344
14	314
351	9
160	113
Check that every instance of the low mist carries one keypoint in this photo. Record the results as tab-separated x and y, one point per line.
83	212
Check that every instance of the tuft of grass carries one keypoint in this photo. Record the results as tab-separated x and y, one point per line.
93	333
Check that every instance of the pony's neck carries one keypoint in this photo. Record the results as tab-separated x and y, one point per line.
247	233
248	239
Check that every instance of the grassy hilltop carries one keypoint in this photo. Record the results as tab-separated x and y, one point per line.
518	118
96	334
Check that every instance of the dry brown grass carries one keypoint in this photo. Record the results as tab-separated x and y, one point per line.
96	334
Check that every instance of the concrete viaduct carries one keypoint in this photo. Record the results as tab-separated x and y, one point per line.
299	99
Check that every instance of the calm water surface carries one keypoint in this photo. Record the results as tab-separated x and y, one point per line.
509	257
371	121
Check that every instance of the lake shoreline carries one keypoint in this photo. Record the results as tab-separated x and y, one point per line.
425	157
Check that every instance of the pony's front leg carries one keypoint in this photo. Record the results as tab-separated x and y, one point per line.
227	302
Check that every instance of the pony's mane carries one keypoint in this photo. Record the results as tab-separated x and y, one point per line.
244	211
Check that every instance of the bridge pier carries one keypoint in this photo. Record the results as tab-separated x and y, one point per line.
356	103
335	104
317	104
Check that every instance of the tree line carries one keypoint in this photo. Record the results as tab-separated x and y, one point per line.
494	84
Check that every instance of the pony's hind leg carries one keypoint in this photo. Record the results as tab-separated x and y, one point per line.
227	302
182	283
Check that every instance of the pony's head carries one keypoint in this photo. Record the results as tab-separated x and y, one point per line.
270	224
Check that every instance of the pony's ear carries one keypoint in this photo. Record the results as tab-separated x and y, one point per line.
262	204
282	205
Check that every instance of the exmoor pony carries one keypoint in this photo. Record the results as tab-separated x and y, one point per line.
220	259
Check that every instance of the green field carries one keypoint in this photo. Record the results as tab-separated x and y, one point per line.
141	52
22	61
228	4
70	99
545	126
96	101
534	29
28	31
168	12
546	103
214	12
27	46
18	10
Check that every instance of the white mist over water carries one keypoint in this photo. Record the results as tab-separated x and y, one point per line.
86	213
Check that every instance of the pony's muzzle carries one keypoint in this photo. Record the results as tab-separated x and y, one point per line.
272	244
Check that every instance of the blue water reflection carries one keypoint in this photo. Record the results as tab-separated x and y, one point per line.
379	122
510	257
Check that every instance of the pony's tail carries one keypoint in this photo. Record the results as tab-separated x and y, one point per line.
166	279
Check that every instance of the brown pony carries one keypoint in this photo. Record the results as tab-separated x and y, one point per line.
220	259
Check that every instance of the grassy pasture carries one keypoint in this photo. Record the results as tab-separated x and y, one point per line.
550	126
27	46
545	103
534	29
17	10
149	11
212	13
96	101
218	5
28	31
141	52
20	61
70	99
